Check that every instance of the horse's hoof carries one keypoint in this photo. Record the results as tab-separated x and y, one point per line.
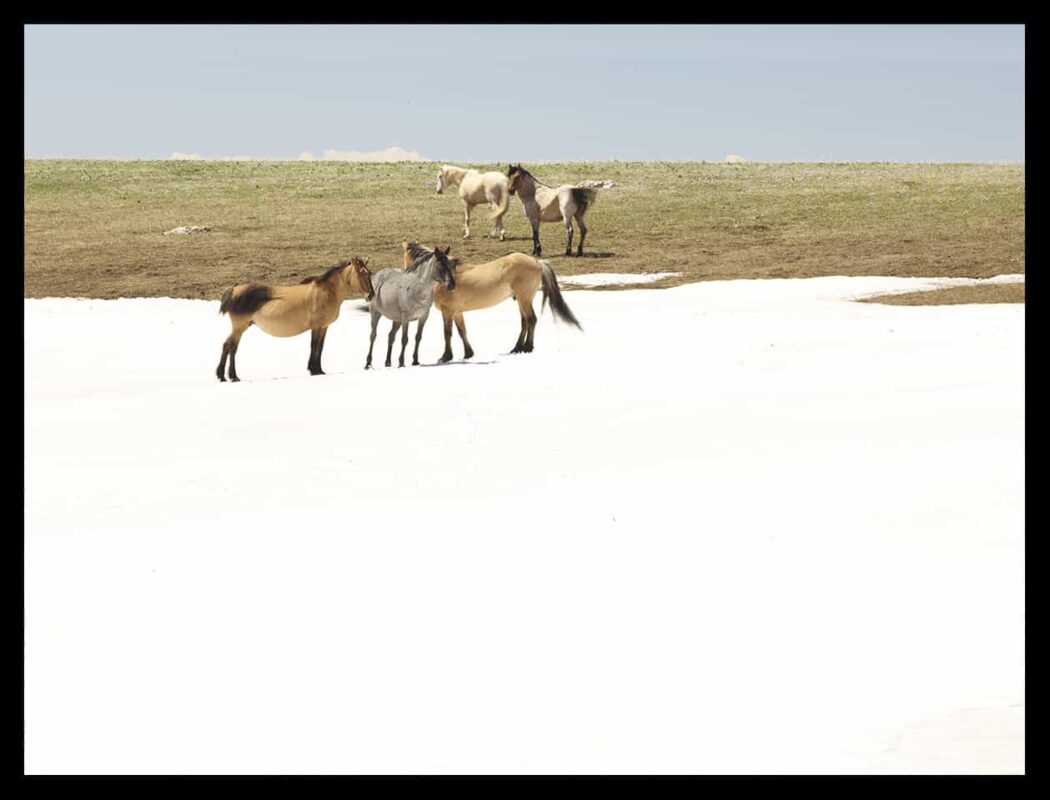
469	354
234	379
222	379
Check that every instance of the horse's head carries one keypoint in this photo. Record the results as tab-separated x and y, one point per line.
360	272
442	182
514	175
443	267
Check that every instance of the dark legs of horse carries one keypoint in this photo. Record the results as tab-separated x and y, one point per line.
583	232
390	341
316	346
372	339
568	236
528	326
447	355
536	249
461	326
229	348
419	336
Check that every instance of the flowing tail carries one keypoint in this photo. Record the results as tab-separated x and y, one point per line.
552	292
504	204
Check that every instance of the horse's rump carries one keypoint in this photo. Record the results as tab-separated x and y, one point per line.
583	197
254	297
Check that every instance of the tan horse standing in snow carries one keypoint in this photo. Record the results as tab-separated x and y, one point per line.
476	188
483	285
312	306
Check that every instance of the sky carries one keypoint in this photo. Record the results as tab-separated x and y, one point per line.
499	93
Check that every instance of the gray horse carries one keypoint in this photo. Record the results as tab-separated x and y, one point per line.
406	295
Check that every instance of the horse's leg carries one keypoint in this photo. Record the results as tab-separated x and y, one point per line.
390	341
316	345
314	335
372	338
568	234
419	335
520	344
529	316
234	344
404	343
535	220
461	326
220	371
447	355
229	347
466	220
583	231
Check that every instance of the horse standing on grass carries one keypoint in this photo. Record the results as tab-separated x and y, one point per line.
483	285
476	188
545	204
312	306
406	295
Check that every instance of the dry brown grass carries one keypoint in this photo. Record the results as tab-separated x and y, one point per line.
95	228
955	295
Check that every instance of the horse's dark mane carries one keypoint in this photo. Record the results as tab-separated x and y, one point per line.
418	253
534	179
327	274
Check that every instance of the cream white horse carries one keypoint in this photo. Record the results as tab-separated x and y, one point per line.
476	188
545	204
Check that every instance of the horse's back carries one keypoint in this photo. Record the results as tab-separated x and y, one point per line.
482	187
484	285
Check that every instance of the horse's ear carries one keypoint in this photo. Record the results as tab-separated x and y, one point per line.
367	260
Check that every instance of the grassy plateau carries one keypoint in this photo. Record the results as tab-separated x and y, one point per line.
96	228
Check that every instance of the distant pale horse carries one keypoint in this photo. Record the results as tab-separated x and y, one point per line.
476	188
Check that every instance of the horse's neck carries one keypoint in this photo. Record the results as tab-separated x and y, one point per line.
425	271
456	175
535	192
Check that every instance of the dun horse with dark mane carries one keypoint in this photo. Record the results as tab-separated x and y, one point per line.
483	285
312	306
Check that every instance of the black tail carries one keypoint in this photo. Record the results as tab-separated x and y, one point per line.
552	292
584	197
247	302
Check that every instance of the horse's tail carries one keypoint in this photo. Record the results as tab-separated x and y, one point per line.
503	205
583	197
595	185
552	292
254	297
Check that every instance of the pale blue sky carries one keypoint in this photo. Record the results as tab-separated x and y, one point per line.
485	93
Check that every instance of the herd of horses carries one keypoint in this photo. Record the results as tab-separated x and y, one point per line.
429	277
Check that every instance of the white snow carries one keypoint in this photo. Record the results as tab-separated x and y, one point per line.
739	527
905	285
613	278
